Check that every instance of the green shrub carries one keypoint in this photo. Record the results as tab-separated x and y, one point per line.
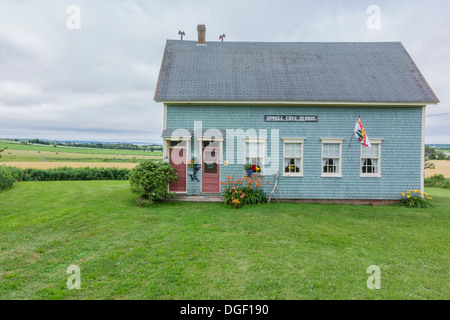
67	173
150	180
438	181
415	199
242	191
6	178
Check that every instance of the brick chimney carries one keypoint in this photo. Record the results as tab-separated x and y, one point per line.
201	34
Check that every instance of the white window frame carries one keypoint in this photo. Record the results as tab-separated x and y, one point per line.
371	175
293	140
333	174
263	158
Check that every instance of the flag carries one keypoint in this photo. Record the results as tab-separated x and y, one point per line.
360	133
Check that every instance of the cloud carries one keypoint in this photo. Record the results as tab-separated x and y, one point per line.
98	82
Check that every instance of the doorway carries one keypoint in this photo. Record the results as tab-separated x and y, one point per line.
177	159
210	167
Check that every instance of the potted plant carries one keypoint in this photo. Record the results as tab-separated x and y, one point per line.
291	168
248	169
256	169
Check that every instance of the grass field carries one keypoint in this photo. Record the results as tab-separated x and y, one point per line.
441	167
35	153
181	250
18	146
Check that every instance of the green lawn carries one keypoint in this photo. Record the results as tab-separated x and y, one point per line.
212	251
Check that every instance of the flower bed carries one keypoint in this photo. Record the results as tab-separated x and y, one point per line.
415	199
241	191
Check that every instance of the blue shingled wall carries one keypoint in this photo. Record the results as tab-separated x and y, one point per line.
399	127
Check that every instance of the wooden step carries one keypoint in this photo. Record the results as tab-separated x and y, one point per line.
202	198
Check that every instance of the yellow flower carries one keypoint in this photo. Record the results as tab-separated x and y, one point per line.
425	194
408	196
416	190
402	194
420	192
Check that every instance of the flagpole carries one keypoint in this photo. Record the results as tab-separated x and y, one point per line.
351	139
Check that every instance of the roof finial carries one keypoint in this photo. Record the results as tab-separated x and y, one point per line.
181	33
221	37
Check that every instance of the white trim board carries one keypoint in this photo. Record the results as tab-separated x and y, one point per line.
422	160
303	103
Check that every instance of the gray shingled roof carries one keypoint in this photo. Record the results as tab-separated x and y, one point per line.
300	71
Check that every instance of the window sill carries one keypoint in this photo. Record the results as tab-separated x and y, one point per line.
365	175
255	174
324	175
292	174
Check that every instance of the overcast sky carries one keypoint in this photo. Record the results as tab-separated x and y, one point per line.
98	82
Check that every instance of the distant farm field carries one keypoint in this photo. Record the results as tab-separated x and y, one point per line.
18	146
33	154
442	167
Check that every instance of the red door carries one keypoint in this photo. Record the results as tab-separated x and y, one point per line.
211	170
177	157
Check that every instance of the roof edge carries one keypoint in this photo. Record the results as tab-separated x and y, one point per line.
301	103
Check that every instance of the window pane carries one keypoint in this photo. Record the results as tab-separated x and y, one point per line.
330	165
326	152
254	155
252	149
298	150
336	165
293	150
255	149
214	144
331	150
210	161
370	153
292	165
374	165
369	165
288	149
177	143
335	151
287	163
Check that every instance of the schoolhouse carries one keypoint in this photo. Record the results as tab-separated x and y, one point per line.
288	110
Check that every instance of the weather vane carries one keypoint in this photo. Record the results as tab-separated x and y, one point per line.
181	33
221	37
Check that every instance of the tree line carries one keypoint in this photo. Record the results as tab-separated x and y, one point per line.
96	145
432	153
